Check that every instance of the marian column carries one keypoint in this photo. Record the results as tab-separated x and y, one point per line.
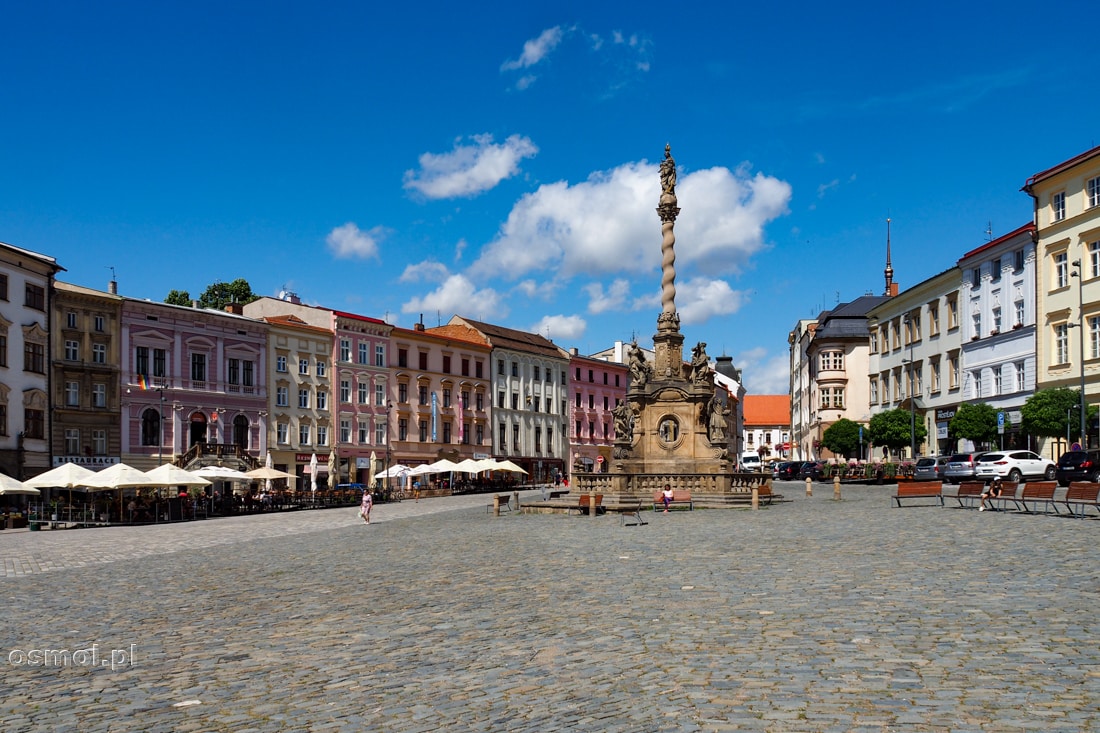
668	343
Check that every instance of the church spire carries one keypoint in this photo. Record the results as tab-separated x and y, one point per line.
891	286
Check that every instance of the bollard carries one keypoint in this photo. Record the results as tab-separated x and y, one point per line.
515	495
496	505
755	498
591	503
809	486
836	488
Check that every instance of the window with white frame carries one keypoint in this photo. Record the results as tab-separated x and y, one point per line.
345	390
1058	206
303	433
953	371
976	324
345	350
280	433
363	392
364	353
832	361
99	395
70	319
933	319
303	366
976	380
998	386
72	350
72	394
364	432
1021	376
874	390
380	433
1061	343
1094	258
995	270
1018	307
886	386
976	277
952	313
874	341
1061	270
322	400
72	442
1094	337
99	324
303	398
934	368
280	364
1092	191
321	365
99	353
379	395
282	397
322	435
997	319
99	442
379	355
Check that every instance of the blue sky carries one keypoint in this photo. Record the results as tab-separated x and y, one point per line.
499	159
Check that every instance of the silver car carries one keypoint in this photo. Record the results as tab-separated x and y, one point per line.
930	468
1014	466
960	467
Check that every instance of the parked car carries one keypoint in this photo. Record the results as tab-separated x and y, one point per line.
960	467
812	470
787	470
1078	465
930	468
1014	466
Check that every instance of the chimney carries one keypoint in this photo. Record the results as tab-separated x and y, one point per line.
112	287
194	304
235	308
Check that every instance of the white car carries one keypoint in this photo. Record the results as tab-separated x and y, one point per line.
1014	465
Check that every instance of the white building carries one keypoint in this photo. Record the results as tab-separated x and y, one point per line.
998	327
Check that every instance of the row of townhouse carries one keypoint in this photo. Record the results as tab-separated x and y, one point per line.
107	379
1015	315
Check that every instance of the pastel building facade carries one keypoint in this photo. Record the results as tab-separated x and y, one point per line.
597	387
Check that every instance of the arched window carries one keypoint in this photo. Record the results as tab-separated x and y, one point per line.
150	427
240	431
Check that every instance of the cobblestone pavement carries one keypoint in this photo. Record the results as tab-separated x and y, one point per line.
813	615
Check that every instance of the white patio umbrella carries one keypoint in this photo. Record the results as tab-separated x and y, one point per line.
267	473
313	473
120	476
509	466
488	464
397	469
11	486
66	476
221	473
420	470
442	466
469	466
172	475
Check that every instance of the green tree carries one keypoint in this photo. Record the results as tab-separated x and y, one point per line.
974	421
891	429
1051	413
217	295
178	297
842	437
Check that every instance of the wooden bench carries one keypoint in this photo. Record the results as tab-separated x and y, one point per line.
583	504
505	503
557	493
969	494
1037	492
764	493
1082	494
680	498
922	490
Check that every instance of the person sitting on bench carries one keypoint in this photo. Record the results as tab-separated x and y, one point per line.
993	491
666	496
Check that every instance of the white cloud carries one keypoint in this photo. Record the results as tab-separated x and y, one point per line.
469	169
700	299
458	294
764	374
535	50
531	288
560	328
824	188
349	241
427	271
607	224
613	299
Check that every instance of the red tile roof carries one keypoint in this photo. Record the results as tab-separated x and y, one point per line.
767	409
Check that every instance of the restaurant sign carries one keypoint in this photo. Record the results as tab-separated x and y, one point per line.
91	462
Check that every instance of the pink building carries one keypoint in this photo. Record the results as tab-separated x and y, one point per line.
194	386
597	387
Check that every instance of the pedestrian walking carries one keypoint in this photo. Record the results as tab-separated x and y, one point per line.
365	507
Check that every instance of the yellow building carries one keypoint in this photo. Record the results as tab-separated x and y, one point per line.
1067	293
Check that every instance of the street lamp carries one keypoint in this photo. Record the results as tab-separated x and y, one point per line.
912	413
389	406
1081	325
